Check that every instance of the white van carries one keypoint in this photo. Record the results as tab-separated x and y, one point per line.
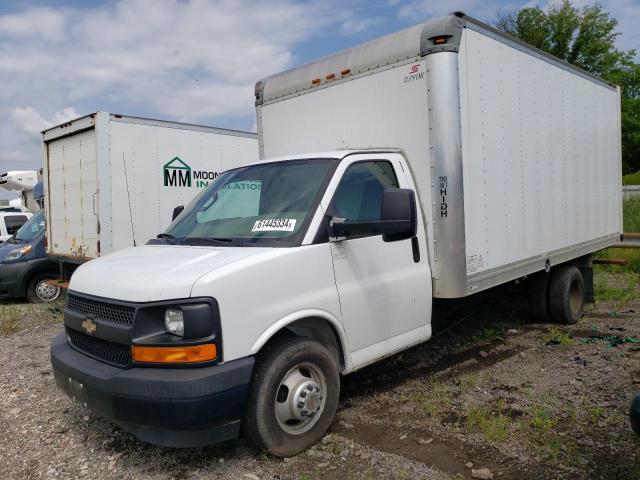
467	160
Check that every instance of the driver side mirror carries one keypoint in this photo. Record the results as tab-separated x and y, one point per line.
177	211
399	218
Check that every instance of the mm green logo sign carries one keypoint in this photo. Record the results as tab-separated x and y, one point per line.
177	173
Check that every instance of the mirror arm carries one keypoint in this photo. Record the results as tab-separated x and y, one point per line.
332	223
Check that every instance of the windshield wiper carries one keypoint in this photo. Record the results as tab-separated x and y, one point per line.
208	241
168	237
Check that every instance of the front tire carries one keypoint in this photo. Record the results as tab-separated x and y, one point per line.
294	396
39	291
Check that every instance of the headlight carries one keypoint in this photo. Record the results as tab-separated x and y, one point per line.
18	253
174	321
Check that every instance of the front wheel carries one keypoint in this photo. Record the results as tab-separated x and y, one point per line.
294	396
39	290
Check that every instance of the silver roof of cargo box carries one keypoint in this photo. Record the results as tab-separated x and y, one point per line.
87	122
400	46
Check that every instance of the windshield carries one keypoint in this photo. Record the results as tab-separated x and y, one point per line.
269	204
31	229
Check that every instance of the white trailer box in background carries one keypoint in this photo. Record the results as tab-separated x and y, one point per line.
517	153
112	181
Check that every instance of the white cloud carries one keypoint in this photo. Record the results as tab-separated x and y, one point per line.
44	22
28	120
186	60
353	26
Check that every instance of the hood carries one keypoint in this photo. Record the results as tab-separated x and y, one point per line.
154	272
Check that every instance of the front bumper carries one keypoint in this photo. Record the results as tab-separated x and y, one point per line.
174	407
12	277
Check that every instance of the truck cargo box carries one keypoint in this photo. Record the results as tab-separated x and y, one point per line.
112	181
516	153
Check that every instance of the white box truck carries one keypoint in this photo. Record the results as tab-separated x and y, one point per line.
112	181
448	158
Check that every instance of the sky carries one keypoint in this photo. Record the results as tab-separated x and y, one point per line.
192	61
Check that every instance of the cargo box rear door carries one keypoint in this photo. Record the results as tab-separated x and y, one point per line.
73	192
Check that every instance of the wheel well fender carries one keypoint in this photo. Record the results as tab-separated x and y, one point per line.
23	283
318	325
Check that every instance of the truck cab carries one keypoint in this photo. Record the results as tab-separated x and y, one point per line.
274	280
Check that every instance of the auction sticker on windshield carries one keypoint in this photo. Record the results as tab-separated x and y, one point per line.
274	225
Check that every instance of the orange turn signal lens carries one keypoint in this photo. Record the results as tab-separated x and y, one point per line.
190	354
440	40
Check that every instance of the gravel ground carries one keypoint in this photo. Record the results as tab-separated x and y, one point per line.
490	397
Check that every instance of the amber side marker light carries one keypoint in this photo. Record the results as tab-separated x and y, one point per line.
440	40
190	354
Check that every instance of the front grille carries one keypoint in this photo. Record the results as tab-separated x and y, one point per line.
120	314
111	352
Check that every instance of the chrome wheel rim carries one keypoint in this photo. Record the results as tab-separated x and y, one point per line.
46	292
300	398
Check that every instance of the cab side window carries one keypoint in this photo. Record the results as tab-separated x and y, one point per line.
359	195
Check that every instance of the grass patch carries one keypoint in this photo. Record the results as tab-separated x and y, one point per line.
493	333
9	317
492	423
623	286
555	336
631	178
631	214
594	413
435	400
469	380
542	422
7	327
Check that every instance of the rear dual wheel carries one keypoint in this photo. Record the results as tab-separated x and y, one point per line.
557	296
294	396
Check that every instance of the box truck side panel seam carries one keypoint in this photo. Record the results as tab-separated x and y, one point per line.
104	213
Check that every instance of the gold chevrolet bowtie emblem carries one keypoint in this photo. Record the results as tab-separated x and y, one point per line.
89	326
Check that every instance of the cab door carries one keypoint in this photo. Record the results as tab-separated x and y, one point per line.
384	287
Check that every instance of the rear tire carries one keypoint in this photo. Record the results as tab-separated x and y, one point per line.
294	396
39	291
566	295
538	298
